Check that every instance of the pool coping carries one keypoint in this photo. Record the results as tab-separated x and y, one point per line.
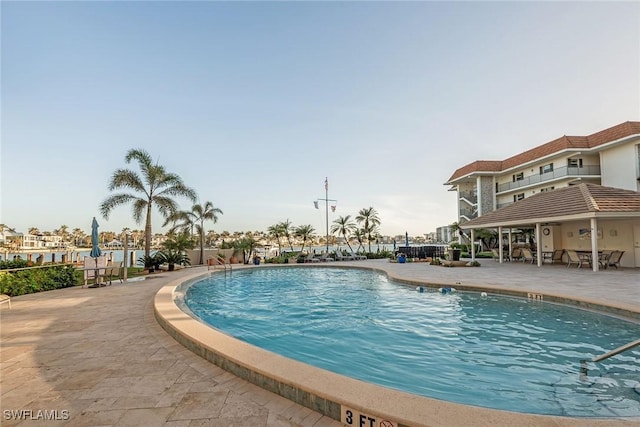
332	394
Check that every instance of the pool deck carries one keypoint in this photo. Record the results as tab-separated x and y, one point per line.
100	356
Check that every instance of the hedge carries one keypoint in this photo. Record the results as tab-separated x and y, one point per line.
20	282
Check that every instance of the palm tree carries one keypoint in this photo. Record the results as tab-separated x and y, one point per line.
371	221
195	218
285	230
157	187
305	232
275	232
359	234
343	225
34	231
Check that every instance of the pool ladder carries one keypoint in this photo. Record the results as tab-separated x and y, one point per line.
583	362
218	260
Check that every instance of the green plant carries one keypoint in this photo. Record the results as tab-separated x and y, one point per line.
171	258
150	262
36	280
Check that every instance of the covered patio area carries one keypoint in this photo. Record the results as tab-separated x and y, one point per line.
588	219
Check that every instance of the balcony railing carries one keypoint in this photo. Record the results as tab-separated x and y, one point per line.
562	172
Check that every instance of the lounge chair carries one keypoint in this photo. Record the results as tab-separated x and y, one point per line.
310	258
358	257
614	259
516	254
341	257
573	258
527	255
325	257
557	256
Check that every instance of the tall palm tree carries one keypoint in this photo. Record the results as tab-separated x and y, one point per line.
305	232
157	187
195	218
275	232
285	230
370	220
34	230
345	226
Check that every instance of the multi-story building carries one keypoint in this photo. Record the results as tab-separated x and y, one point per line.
610	158
535	189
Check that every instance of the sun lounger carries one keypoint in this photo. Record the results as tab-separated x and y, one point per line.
527	255
341	257
310	258
325	257
573	258
358	257
614	259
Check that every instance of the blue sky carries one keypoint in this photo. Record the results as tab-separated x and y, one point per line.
253	104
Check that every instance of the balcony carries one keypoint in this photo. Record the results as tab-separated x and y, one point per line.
562	172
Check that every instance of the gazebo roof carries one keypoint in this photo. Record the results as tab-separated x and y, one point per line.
575	202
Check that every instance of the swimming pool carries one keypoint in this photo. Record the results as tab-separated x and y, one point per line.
497	352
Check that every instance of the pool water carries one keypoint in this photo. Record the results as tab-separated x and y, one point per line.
498	352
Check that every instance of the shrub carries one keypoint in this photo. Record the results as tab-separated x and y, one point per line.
36	280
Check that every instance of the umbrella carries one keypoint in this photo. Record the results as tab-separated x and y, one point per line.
95	249
406	239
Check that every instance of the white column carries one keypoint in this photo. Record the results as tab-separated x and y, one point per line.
594	245
500	243
538	247
473	244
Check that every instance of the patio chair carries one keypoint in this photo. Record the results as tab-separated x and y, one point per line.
573	258
614	259
113	271
603	258
94	268
557	256
527	255
495	254
516	254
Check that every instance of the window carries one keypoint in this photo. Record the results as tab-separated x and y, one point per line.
544	190
517	197
546	168
574	163
518	177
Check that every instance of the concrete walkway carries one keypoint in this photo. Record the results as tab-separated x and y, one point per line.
97	357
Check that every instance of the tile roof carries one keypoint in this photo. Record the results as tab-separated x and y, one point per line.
568	203
563	143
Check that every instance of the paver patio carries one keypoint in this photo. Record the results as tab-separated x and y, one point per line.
98	356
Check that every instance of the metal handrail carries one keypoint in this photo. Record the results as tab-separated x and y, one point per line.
583	362
221	261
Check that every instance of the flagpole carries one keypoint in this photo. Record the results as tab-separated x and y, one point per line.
326	203
326	197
